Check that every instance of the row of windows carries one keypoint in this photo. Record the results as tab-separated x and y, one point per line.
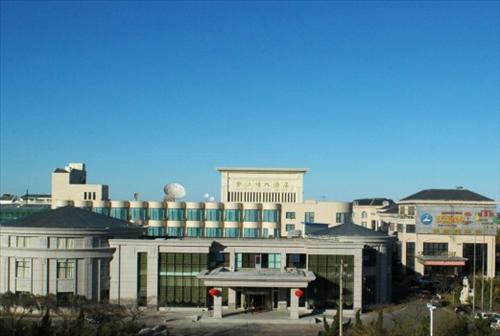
410	228
89	195
340	217
179	214
261	197
212	232
65	268
26	242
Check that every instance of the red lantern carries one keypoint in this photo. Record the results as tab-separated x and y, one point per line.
214	292
299	293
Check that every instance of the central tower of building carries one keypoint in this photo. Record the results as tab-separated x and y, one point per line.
262	185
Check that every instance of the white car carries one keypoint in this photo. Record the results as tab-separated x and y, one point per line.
487	315
495	323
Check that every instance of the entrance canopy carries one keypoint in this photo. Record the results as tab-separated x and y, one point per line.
441	260
222	277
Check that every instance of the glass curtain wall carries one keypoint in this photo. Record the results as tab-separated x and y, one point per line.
119	213
270	216
177	282
194	214
324	291
232	215
175	214
157	214
138	214
231	232
215	215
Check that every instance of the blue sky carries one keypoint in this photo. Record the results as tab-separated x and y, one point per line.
375	98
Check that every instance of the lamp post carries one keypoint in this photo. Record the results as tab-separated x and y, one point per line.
431	310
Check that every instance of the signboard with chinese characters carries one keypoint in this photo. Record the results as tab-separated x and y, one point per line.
456	219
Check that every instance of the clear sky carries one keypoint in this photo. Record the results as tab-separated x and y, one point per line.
375	98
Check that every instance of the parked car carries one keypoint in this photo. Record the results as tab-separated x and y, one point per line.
426	281
486	315
463	310
495	323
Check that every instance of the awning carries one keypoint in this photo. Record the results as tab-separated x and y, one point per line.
428	260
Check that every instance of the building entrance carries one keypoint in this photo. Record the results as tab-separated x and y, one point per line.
258	299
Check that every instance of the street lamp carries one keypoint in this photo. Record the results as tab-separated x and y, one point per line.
431	310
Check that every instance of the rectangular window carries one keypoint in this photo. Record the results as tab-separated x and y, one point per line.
250	233
23	241
231	233
142	279
289	227
338	218
296	260
399	228
270	216
481	257
290	215
65	269
410	257
309	217
23	268
435	249
274	260
410	228
65	243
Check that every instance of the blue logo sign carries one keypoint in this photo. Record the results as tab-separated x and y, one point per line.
426	219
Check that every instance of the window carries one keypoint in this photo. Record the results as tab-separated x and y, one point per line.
174	231
194	232
65	269
399	228
232	215
213	232
65	243
410	228
194	214
23	268
137	214
363	224
214	215
175	214
23	241
289	227
251	215
338	218
309	217
142	279
410	257
435	249
274	260
250	233
270	216
290	215
364	214
296	260
155	213
231	232
411	211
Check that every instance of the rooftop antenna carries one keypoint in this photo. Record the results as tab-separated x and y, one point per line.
174	191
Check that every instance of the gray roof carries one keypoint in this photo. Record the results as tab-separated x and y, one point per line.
391	208
349	230
36	195
69	218
60	170
377	201
447	195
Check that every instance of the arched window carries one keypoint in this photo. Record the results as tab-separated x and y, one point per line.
364	214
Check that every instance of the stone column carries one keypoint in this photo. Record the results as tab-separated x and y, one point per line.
358	280
218	304
294	305
231	298
152	280
382	269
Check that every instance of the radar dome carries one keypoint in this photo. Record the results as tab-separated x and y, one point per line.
174	191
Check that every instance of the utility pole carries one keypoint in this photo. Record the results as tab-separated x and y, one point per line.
431	310
474	279
341	285
491	293
482	279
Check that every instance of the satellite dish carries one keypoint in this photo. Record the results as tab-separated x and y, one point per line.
174	191
206	195
211	199
136	196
